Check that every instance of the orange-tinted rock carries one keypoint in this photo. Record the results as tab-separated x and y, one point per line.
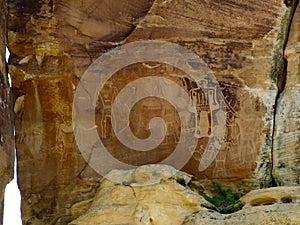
54	42
52	173
6	115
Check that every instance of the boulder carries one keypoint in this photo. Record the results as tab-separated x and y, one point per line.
160	195
277	205
153	194
274	214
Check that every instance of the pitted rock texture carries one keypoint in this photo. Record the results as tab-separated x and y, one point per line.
53	43
260	215
6	115
152	194
159	195
270	196
277	205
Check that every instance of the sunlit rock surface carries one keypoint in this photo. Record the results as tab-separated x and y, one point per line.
286	156
270	214
53	43
148	195
277	205
160	195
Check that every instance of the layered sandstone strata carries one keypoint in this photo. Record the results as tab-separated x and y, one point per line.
53	43
286	152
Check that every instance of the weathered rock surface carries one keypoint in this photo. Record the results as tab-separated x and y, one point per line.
278	205
53	43
6	115
265	215
286	156
52	173
160	195
270	196
148	195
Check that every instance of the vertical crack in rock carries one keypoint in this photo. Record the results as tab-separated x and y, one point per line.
279	71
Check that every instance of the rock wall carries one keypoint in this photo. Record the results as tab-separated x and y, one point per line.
286	156
52	43
6	115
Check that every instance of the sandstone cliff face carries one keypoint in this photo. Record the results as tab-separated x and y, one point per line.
286	156
6	115
53	43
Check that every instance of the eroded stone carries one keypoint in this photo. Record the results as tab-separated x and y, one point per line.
274	214
271	196
286	156
54	42
6	115
151	194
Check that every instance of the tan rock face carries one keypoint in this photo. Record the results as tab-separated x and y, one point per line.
277	205
148	195
6	115
160	195
52	173
286	156
271	196
54	42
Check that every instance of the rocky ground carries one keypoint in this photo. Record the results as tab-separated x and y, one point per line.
160	195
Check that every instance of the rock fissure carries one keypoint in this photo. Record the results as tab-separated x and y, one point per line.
281	78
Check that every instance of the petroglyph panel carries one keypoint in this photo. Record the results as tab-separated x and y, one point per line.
242	141
54	42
